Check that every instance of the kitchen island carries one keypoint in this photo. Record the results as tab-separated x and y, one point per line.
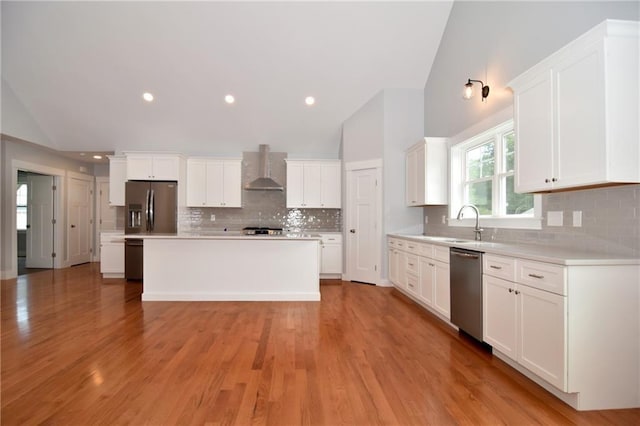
231	267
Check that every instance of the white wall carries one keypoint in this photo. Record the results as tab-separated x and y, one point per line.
383	129
495	42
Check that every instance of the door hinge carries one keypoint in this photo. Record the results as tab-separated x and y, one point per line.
101	192
90	221
53	221
375	267
53	255
91	192
90	250
54	187
100	221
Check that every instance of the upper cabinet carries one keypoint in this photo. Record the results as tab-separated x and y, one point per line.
153	167
314	184
576	113
214	182
117	179
426	168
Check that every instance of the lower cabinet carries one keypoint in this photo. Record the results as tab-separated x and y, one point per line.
112	255
331	255
422	272
528	325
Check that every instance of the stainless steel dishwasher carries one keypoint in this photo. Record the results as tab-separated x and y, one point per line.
466	290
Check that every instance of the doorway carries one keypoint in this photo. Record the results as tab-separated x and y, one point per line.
35	216
364	221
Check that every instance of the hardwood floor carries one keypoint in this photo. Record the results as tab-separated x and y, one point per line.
77	350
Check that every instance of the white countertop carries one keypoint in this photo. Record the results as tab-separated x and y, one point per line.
222	235
527	251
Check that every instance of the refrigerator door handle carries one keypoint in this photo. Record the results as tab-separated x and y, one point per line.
151	208
146	211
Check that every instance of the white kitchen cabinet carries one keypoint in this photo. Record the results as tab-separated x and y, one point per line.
117	179
576	113
422	272
527	322
313	184
331	255
112	255
214	182
426	172
153	167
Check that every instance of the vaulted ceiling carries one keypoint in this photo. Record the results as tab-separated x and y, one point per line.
77	71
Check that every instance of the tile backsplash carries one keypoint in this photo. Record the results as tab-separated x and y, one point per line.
260	208
610	222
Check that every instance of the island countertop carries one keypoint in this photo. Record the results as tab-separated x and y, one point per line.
223	235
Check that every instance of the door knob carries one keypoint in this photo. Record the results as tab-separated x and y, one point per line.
353	231
73	226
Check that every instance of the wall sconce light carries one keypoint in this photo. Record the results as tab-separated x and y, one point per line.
468	89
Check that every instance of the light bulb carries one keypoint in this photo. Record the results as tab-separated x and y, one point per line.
147	96
468	91
309	100
229	99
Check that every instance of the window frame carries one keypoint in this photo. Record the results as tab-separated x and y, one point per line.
458	183
24	207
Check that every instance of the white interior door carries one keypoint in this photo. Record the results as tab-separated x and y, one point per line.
79	221
363	233
106	213
39	221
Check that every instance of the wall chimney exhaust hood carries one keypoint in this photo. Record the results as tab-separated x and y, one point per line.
264	181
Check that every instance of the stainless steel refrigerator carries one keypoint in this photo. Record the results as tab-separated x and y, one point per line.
150	208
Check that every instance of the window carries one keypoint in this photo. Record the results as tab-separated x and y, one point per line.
482	173
21	207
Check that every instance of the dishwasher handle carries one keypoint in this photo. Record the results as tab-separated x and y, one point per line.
466	255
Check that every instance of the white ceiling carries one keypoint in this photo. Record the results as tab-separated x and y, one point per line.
80	68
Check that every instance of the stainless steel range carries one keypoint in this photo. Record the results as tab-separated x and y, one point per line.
255	230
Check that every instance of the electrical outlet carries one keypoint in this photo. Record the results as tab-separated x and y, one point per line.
426	220
444	220
213	218
577	218
554	218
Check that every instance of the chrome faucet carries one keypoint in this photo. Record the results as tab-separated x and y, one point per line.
477	229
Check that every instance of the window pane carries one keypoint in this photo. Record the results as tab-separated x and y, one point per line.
21	218
480	161
509	142
21	195
480	195
517	203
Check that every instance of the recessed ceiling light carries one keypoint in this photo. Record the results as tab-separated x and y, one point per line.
147	96
309	100
229	99
98	157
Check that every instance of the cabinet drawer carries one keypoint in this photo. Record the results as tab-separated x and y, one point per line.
335	239
412	247
426	250
500	267
413	264
401	244
413	283
441	253
544	276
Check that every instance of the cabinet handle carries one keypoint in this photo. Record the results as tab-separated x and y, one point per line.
411	264
431	264
546	181
536	276
510	290
495	267
517	292
554	180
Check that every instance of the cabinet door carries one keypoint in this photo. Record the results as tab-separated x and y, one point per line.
312	185
499	324
232	184
112	258
331	261
402	269
533	109
215	183
420	175
139	168
413	284
542	334
580	149
442	298
411	192
196	183
393	266
427	278
295	187
330	188
117	178
166	168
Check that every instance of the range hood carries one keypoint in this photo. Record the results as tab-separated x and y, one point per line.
264	181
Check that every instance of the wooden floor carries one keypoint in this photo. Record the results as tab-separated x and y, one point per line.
77	350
